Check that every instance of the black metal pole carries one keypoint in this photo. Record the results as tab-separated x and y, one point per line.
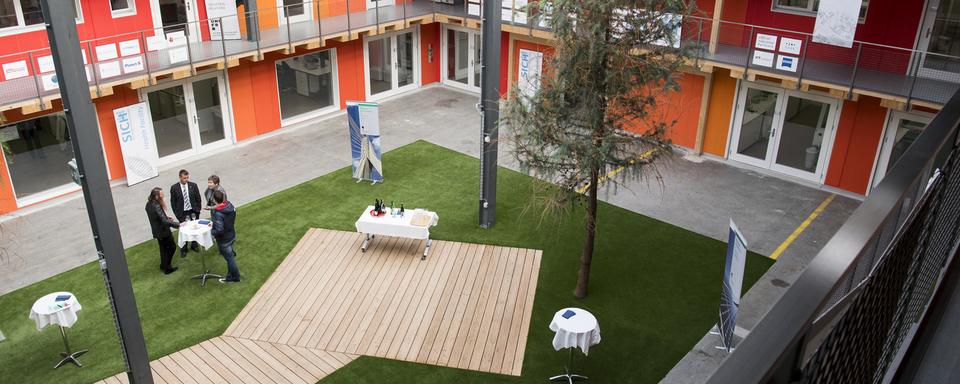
490	108
82	125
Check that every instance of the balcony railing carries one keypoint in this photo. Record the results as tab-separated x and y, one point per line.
851	314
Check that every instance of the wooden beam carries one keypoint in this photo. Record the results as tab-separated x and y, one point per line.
342	37
788	83
736	73
138	83
314	44
840	94
704	106
706	68
180	74
105	90
715	27
31	108
893	104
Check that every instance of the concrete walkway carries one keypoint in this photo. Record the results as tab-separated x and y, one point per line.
700	196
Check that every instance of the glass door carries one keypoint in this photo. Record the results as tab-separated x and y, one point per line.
902	130
379	3
799	143
755	125
461	58
392	64
187	117
940	39
176	16
785	131
294	11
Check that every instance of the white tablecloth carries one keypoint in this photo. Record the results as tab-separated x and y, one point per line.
46	310
580	330
194	231
395	226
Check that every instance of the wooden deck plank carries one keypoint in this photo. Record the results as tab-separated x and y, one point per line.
259	359
473	295
437	306
504	341
440	331
240	370
521	307
191	357
305	361
218	366
486	360
160	370
525	324
177	371
249	365
282	360
385	311
474	336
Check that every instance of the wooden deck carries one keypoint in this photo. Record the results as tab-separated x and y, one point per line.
467	306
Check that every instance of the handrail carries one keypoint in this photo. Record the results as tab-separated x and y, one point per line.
775	343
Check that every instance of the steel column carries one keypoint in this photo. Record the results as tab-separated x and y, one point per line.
82	125
490	108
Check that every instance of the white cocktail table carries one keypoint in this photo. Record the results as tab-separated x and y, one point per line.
195	231
396	226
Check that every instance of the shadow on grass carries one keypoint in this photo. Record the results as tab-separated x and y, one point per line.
655	287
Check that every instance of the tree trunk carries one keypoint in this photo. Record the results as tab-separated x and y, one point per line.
586	257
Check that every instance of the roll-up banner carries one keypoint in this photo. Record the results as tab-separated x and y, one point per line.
137	142
222	20
364	119
531	65
837	22
732	285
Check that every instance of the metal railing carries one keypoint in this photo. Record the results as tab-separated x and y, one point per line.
851	313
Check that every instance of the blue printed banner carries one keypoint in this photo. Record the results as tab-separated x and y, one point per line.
365	140
732	285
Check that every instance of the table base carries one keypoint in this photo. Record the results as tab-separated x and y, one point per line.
71	358
206	272
366	243
568	376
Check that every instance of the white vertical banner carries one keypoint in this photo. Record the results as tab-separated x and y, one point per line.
837	22
531	66
732	286
222	20
137	142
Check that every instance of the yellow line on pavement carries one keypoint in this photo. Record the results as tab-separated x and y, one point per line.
796	233
614	172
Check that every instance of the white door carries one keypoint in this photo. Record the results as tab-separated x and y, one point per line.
785	131
188	116
176	15
939	41
461	58
379	3
391	64
901	131
294	11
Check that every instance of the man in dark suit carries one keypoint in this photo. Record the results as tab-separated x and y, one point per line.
160	225
185	202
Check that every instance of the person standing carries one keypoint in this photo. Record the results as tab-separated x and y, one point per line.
160	225
224	215
185	202
213	184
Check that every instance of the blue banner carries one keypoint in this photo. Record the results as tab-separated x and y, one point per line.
365	141
732	285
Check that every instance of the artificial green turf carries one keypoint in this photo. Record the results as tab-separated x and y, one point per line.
654	287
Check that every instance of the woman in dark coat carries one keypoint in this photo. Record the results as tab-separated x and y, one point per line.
160	224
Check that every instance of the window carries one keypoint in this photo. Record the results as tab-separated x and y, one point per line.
122	8
25	13
810	7
306	84
37	152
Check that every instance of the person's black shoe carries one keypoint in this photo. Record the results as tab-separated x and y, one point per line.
183	252
169	271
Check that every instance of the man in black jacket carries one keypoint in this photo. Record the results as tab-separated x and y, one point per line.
224	214
185	202
160	225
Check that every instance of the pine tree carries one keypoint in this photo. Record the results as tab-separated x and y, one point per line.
596	110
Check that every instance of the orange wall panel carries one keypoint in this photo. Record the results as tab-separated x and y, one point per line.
350	72
719	113
244	108
855	146
108	127
680	110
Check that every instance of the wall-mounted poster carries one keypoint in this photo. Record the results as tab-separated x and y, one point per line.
837	22
763	59
768	42
45	63
791	46
223	22
50	82
132	64
106	52
787	63
15	70
130	47
108	70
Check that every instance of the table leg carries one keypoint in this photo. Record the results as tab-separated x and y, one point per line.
68	356
426	250
366	242
205	274
568	374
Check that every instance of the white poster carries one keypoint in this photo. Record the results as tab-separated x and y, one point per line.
222	19
15	70
837	22
369	119
768	42
176	39
763	59
133	64
528	81
106	52
155	43
787	63
473	9
130	47
46	64
50	82
108	70
137	142
674	23
791	46
9	133
178	55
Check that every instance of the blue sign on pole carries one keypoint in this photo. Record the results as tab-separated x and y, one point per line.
365	141
732	285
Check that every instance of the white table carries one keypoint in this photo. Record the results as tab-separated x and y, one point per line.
578	331
46	310
395	226
201	233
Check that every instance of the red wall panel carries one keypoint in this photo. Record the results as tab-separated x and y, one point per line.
855	146
430	41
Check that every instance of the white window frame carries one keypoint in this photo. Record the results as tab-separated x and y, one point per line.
21	28
808	10
130	10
